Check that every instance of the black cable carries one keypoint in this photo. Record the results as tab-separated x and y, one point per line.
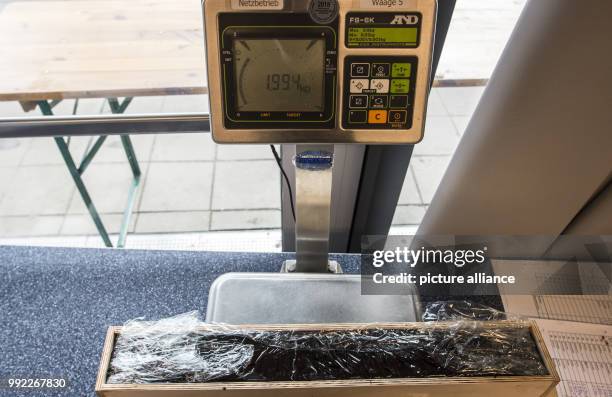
280	165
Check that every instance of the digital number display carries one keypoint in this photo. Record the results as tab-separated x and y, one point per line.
362	35
279	74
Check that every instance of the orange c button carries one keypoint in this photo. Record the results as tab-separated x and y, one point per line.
377	116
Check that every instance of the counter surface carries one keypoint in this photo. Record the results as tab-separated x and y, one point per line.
57	303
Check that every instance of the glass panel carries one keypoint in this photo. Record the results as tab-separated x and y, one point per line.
93	57
90	57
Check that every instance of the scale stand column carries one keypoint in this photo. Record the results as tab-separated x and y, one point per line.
307	290
313	189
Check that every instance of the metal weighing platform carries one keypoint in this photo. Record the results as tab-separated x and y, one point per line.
303	298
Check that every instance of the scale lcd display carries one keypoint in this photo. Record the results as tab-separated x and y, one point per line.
279	75
379	35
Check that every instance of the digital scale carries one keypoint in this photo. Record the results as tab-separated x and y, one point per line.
315	73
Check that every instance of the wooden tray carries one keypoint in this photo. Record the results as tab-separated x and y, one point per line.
502	386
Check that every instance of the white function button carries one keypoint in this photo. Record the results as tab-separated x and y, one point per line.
357	85
380	85
360	70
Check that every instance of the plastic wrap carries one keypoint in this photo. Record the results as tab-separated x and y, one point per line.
464	310
183	349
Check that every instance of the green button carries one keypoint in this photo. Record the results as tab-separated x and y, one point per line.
400	86
401	70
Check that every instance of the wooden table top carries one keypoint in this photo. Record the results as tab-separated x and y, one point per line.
97	48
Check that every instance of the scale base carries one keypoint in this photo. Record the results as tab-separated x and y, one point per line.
289	266
303	298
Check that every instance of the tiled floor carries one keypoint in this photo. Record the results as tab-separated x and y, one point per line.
448	114
477	36
189	183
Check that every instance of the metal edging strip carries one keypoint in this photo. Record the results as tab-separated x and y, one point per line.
103	125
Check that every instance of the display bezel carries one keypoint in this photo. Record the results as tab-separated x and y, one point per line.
278	119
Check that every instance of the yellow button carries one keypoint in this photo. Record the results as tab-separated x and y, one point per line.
377	117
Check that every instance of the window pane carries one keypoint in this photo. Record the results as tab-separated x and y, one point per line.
477	35
92	57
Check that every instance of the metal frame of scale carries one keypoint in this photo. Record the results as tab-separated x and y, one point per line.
311	288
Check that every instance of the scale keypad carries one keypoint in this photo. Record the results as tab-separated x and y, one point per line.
379	92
